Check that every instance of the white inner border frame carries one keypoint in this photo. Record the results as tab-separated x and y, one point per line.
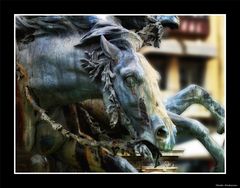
225	83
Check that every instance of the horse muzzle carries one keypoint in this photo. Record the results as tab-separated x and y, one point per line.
163	139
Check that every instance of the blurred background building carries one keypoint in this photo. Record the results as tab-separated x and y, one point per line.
193	54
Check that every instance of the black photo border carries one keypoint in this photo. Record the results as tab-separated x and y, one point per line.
9	8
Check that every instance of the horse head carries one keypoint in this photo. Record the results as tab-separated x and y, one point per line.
134	90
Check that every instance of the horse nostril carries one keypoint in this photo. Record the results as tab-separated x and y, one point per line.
161	132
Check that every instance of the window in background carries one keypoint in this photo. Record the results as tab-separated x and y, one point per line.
192	71
161	64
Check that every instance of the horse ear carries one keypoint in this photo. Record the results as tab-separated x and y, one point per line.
109	49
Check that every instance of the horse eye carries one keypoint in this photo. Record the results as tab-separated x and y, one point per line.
131	81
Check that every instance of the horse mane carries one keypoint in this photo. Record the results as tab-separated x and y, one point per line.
98	67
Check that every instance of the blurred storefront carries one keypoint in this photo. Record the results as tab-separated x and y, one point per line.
192	54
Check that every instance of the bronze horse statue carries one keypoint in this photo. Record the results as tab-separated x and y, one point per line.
63	60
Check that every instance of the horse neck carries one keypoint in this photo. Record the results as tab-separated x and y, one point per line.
77	93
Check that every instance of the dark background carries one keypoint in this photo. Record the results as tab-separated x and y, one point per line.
9	8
